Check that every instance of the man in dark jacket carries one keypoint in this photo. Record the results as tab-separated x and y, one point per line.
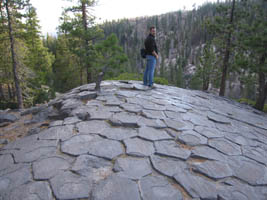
151	57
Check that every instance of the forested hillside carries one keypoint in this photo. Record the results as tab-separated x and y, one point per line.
216	47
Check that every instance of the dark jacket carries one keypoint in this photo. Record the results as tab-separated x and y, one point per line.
150	45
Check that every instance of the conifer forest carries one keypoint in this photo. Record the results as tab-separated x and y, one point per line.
217	47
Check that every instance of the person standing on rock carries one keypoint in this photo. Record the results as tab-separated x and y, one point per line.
151	57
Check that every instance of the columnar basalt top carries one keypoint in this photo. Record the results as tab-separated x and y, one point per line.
135	143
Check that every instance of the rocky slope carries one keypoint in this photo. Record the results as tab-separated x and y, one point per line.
130	142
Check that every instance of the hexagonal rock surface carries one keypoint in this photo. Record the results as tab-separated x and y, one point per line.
213	169
158	188
124	167
133	144
172	149
67	185
119	133
48	167
116	188
139	147
153	134
225	146
196	186
192	138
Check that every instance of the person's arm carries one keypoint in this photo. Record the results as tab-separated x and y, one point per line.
155	54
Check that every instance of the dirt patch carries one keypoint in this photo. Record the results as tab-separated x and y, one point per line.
18	129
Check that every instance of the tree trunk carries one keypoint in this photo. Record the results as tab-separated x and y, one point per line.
227	54
99	79
262	87
14	61
2	95
9	92
86	42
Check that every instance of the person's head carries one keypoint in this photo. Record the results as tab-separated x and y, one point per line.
152	30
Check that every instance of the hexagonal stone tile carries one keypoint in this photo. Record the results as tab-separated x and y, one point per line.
49	167
192	138
78	144
213	169
119	133
71	120
198	120
156	123
255	153
133	168
173	115
100	115
35	154
86	95
153	134
92	167
178	125
111	148
209	132
139	147
14	176
207	153
57	133
67	185
218	118
111	189
158	188
6	161
162	165
153	114
93	126
225	146
196	186
171	149
248	170
125	119
131	107
34	190
175	109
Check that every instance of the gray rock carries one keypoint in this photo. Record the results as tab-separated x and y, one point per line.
71	120
139	147
104	148
218	118
178	125
248	170
198	120
33	190
153	134
209	132
173	115
171	149
156	123
207	153
57	133
255	153
158	188
225	146
6	117
78	144
153	114
192	138
124	167
6	161
49	167
196	186
162	165
213	169
133	108
33	110
100	115
3	141
87	95
126	119
67	185
93	126
119	133
56	123
14	176
34	154
108	189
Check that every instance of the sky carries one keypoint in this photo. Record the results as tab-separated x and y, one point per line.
49	11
